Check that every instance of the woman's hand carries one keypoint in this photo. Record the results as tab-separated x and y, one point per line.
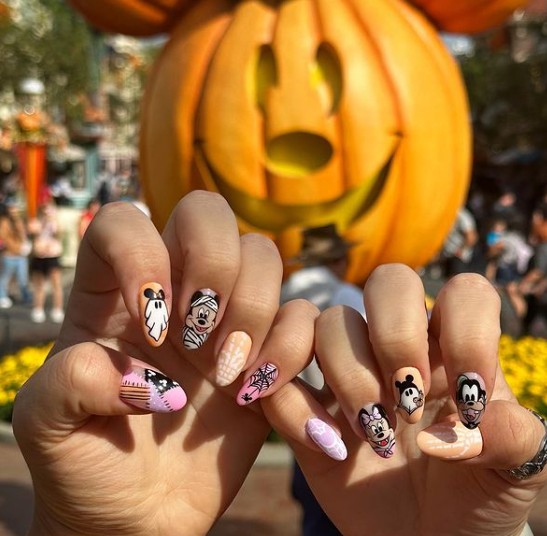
101	462
390	378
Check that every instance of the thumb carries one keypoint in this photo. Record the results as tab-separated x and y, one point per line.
86	380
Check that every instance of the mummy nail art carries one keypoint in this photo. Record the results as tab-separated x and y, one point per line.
380	435
151	390
409	393
470	398
155	317
258	383
200	319
326	438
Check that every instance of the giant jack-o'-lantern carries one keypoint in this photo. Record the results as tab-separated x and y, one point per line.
307	112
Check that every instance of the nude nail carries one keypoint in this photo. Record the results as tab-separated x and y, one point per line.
153	313
232	357
257	384
470	398
450	440
200	319
408	390
151	390
380	434
326	438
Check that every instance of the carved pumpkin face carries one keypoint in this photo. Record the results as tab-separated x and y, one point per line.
308	112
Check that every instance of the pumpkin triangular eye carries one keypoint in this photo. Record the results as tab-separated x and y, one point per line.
266	74
326	77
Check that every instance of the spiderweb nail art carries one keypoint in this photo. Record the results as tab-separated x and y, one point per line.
260	381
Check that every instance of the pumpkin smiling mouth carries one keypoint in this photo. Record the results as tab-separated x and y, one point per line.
342	211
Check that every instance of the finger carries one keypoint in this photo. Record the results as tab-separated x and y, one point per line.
299	418
203	242
466	322
86	380
251	310
288	349
397	326
347	361
122	251
508	437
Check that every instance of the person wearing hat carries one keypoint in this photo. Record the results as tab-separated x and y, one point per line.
324	259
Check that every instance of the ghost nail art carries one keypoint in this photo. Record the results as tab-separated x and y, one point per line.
200	319
380	435
470	398
408	390
154	315
151	390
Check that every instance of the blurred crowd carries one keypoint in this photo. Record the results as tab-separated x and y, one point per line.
506	241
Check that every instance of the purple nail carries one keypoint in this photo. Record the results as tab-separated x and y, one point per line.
326	438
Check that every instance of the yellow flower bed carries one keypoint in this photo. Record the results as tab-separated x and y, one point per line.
524	362
15	369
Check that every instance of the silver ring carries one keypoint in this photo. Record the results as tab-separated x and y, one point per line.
538	462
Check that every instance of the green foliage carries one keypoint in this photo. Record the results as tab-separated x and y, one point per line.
51	42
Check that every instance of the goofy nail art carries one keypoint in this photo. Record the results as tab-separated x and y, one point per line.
409	393
151	390
380	435
155	317
470	399
200	319
259	382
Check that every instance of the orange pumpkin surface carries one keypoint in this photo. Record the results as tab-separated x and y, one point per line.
307	112
131	17
468	16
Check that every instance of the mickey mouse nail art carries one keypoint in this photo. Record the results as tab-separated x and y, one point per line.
200	319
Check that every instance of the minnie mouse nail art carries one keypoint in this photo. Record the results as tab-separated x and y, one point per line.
380	435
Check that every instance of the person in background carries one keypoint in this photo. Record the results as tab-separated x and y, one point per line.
16	248
45	264
324	256
459	246
93	207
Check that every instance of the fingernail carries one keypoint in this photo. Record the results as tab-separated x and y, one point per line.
326	438
380	434
470	398
450	440
151	390
153	312
200	319
257	384
232	357
408	390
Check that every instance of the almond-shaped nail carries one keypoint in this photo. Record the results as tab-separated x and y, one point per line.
408	390
470	398
151	390
232	357
326	438
450	440
200	318
153	313
380	434
257	384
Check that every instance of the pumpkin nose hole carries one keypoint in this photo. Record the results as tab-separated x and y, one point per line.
298	154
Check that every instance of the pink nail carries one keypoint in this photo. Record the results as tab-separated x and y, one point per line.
257	384
151	390
326	438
